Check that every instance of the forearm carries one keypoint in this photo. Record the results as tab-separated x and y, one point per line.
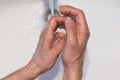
29	72
73	72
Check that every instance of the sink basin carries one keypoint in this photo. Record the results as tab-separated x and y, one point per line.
21	22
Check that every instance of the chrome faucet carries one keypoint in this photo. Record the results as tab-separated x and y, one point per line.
52	8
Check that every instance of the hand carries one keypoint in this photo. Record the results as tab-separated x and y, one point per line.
77	37
50	45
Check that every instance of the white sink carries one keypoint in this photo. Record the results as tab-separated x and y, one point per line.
21	22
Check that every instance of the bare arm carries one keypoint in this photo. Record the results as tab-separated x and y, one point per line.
45	55
29	72
48	50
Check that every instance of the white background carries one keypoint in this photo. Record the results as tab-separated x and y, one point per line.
21	22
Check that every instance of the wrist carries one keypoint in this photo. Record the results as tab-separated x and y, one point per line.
33	69
72	74
73	71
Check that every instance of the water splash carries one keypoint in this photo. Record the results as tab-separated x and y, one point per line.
34	25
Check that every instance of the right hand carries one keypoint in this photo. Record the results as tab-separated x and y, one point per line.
48	49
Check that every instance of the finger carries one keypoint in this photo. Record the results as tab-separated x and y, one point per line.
51	28
54	22
81	23
55	39
70	30
58	46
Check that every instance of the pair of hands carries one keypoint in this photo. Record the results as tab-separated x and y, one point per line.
72	44
52	43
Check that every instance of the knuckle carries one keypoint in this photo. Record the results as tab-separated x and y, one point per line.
73	44
87	34
52	18
81	11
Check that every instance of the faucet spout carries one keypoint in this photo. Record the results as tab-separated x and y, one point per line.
51	8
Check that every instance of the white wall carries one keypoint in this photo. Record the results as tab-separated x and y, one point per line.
21	22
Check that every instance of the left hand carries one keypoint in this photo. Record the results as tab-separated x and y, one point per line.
77	36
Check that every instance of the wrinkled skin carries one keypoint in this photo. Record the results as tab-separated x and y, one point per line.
77	37
50	44
72	45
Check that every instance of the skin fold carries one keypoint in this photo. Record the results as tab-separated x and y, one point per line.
51	44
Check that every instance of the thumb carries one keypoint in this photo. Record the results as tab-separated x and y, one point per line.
58	46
